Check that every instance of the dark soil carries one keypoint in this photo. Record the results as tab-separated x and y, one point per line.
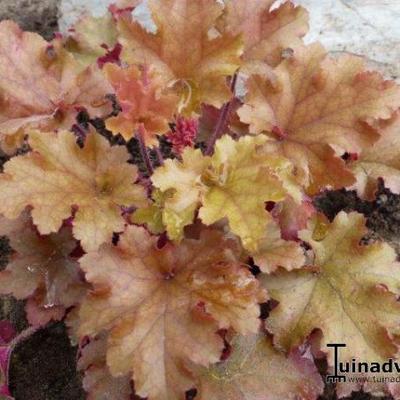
383	213
32	15
44	367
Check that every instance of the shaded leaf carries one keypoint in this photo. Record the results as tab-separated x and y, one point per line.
274	252
41	269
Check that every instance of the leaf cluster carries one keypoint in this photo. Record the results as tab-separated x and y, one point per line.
160	275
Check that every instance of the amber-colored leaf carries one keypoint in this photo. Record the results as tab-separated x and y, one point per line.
240	180
318	102
143	102
41	269
42	85
350	293
180	183
182	50
98	381
382	160
164	306
234	183
58	175
255	370
267	33
274	252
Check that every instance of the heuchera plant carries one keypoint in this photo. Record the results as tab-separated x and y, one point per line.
160	271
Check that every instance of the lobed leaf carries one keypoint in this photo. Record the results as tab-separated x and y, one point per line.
234	183
379	161
164	306
180	183
315	103
197	71
350	293
59	175
151	216
239	181
42	85
145	105
274	252
91	36
41	270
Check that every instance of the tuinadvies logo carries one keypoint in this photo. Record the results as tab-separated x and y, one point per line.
361	367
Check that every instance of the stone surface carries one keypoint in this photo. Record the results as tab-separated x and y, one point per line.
369	28
72	10
32	15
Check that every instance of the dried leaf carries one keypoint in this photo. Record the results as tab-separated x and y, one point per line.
58	175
